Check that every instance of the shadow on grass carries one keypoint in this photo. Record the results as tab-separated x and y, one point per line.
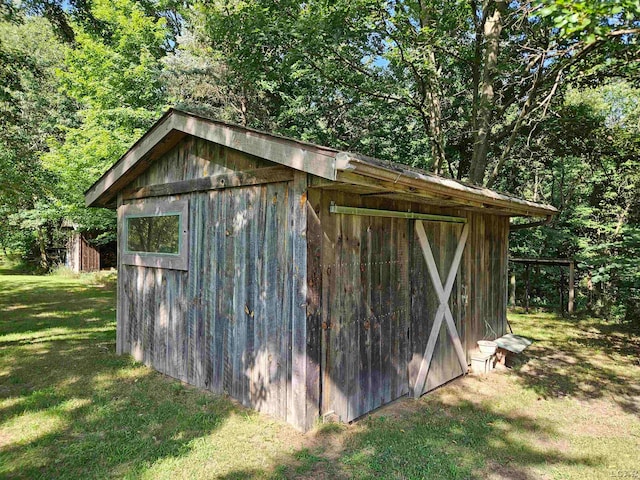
15	266
430	439
71	408
583	358
30	305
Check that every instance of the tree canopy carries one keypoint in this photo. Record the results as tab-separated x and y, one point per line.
469	77
536	98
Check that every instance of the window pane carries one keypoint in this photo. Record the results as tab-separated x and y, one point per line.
157	234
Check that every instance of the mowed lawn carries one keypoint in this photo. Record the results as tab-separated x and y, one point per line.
71	408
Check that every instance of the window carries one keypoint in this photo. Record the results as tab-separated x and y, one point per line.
159	234
155	234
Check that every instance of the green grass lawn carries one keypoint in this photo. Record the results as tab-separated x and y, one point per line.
71	408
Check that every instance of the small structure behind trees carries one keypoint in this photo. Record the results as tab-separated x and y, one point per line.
556	262
81	256
84	252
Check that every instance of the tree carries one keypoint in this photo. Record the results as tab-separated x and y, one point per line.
116	81
197	79
589	165
33	112
474	76
74	106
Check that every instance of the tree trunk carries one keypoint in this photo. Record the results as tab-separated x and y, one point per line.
464	169
432	96
44	261
435	125
561	291
512	288
484	116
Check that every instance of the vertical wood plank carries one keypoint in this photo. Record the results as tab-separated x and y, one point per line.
227	307
404	320
382	307
351	243
328	350
388	334
571	287
193	290
238	340
314	313
367	320
283	320
272	283
218	318
339	321
122	319
257	381
298	222
251	262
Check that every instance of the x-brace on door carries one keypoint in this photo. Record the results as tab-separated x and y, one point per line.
443	312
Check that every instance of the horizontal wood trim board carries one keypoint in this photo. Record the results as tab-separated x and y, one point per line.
543	261
370	212
215	182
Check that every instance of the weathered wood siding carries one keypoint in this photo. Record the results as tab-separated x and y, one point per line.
443	240
235	321
373	304
296	311
484	279
195	158
359	284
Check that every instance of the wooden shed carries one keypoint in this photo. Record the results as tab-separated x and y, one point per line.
303	281
81	256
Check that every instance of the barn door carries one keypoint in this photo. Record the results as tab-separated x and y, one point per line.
365	306
437	352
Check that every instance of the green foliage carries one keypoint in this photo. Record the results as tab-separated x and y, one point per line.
589	165
610	27
34	111
116	82
403	80
197	79
122	70
76	108
356	73
591	19
334	76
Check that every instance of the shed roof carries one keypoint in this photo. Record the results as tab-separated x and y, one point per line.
335	167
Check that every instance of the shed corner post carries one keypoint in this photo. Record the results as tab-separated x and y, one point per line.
301	396
313	307
120	343
512	288
527	289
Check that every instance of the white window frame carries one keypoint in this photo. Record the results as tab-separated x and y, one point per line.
157	208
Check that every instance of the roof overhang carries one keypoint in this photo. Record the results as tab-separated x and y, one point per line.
336	168
175	124
394	177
